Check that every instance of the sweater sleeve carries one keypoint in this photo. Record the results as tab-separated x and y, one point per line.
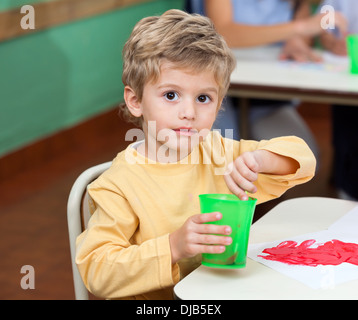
271	186
110	264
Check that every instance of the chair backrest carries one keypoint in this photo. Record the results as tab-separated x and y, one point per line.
77	218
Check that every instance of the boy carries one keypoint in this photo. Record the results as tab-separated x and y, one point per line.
146	232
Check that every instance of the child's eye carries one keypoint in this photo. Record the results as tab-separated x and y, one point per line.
203	98
171	96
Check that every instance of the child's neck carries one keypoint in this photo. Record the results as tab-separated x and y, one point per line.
162	155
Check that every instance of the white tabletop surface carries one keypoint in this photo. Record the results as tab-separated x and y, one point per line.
290	218
261	66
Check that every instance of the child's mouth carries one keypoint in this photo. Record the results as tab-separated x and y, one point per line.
187	132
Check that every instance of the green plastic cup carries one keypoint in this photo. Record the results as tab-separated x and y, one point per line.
238	215
352	45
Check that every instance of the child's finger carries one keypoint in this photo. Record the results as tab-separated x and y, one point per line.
235	189
243	182
213	239
213	229
246	167
210	248
206	217
249	161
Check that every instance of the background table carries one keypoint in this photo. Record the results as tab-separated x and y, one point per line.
289	218
260	74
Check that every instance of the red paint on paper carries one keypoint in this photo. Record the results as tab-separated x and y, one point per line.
332	253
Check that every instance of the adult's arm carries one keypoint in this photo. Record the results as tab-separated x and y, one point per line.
243	35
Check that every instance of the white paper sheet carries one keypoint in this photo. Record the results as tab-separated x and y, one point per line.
319	277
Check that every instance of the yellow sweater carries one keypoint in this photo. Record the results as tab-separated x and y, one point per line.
125	251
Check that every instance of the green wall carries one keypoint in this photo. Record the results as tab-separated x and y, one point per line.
12	4
53	79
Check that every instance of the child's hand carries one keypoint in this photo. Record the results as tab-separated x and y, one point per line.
196	237
242	173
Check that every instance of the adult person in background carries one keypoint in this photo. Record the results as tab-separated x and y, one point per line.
345	129
250	23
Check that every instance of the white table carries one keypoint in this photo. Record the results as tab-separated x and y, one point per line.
259	74
289	218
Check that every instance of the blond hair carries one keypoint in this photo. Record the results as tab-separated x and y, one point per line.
190	41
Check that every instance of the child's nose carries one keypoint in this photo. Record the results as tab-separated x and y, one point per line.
187	111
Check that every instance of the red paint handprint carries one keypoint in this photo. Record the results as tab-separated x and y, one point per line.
332	252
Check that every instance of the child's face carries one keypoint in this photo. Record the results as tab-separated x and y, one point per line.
178	111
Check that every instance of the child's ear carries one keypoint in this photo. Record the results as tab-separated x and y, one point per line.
132	102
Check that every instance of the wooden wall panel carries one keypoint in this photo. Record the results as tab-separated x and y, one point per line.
53	13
